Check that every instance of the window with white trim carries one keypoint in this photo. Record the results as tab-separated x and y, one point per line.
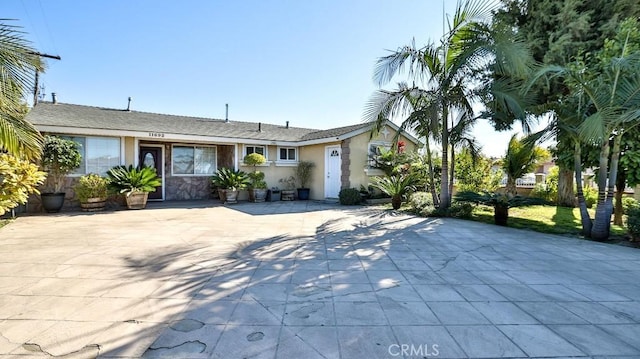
99	154
249	149
288	154
193	160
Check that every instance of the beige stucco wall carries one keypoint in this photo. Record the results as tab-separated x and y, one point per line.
129	150
359	154
315	154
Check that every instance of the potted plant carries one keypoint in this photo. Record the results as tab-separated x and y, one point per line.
59	158
91	191
229	182
258	187
303	172
135	183
288	192
396	186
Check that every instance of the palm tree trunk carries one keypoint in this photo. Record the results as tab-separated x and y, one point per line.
584	213
566	197
621	183
452	175
613	177
432	180
444	175
600	229
510	188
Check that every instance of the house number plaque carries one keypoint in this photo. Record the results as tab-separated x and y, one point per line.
156	134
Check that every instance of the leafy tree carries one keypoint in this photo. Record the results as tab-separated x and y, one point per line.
18	64
559	33
447	77
475	173
609	96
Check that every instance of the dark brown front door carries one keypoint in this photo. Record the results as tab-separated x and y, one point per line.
152	157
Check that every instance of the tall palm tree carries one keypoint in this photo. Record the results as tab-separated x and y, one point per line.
609	94
18	64
450	76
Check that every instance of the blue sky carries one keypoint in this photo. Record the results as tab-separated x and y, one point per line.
307	62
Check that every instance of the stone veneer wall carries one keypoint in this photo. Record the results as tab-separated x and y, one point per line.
345	163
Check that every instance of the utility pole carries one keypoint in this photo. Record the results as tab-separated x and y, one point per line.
37	77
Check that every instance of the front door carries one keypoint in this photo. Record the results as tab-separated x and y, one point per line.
332	171
152	157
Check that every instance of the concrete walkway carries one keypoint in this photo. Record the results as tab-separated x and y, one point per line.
308	280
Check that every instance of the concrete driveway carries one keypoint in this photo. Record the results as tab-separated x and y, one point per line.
308	280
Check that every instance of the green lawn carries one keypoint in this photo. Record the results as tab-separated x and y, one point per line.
546	219
4	222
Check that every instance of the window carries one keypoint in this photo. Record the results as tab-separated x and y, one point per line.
287	154
193	160
99	154
255	149
375	150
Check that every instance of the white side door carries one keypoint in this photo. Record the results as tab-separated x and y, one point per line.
333	162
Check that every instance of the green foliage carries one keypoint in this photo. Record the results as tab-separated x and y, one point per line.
18	179
461	210
397	185
18	65
227	178
390	161
257	180
497	199
629	203
475	174
303	172
456	69
349	196
633	223
59	157
521	158
127	180
548	190
590	196
91	186
421	203
254	159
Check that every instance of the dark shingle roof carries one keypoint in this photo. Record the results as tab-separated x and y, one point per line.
68	115
90	117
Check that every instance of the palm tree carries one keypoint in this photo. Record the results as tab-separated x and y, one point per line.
449	75
609	97
18	64
521	158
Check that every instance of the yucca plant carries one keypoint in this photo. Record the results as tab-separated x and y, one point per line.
396	186
128	180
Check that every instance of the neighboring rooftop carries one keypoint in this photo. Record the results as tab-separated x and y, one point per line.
90	117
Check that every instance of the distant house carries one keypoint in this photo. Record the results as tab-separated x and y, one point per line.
187	151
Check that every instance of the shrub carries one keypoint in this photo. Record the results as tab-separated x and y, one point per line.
461	210
349	196
18	179
590	196
421	203
540	190
628	203
395	186
303	172
91	186
633	223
